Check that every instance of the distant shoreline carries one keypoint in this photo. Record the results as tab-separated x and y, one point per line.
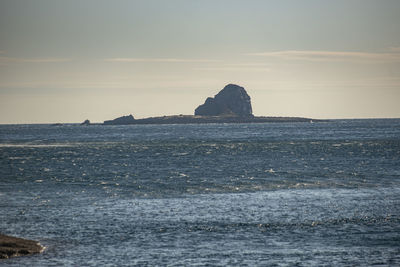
277	120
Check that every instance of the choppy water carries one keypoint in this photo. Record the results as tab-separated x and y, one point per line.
322	194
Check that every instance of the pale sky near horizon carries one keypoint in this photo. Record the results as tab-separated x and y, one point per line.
67	61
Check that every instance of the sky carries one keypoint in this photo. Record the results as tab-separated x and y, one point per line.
67	61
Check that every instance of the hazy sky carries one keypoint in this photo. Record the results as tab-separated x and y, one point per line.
66	61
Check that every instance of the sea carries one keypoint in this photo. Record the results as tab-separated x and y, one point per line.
268	194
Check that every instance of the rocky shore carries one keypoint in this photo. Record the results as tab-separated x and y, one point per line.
13	247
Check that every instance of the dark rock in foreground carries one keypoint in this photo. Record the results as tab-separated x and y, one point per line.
232	100
121	120
13	247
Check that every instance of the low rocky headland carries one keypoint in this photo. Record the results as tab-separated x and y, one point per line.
231	105
193	119
14	246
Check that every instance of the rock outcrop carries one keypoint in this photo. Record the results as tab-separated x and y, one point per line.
13	247
231	105
121	120
86	123
233	100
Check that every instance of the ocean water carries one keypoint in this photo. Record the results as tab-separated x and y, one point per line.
274	194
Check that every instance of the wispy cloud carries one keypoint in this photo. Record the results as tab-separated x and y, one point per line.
316	55
161	60
252	67
6	60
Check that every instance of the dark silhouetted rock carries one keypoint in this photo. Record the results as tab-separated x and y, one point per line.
121	120
190	119
233	100
231	105
86	122
13	246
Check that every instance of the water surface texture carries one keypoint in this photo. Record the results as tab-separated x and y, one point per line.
278	194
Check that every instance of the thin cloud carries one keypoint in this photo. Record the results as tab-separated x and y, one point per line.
310	55
161	60
230	68
249	64
5	60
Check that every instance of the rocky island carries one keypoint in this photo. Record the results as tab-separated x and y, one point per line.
13	247
233	100
231	105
